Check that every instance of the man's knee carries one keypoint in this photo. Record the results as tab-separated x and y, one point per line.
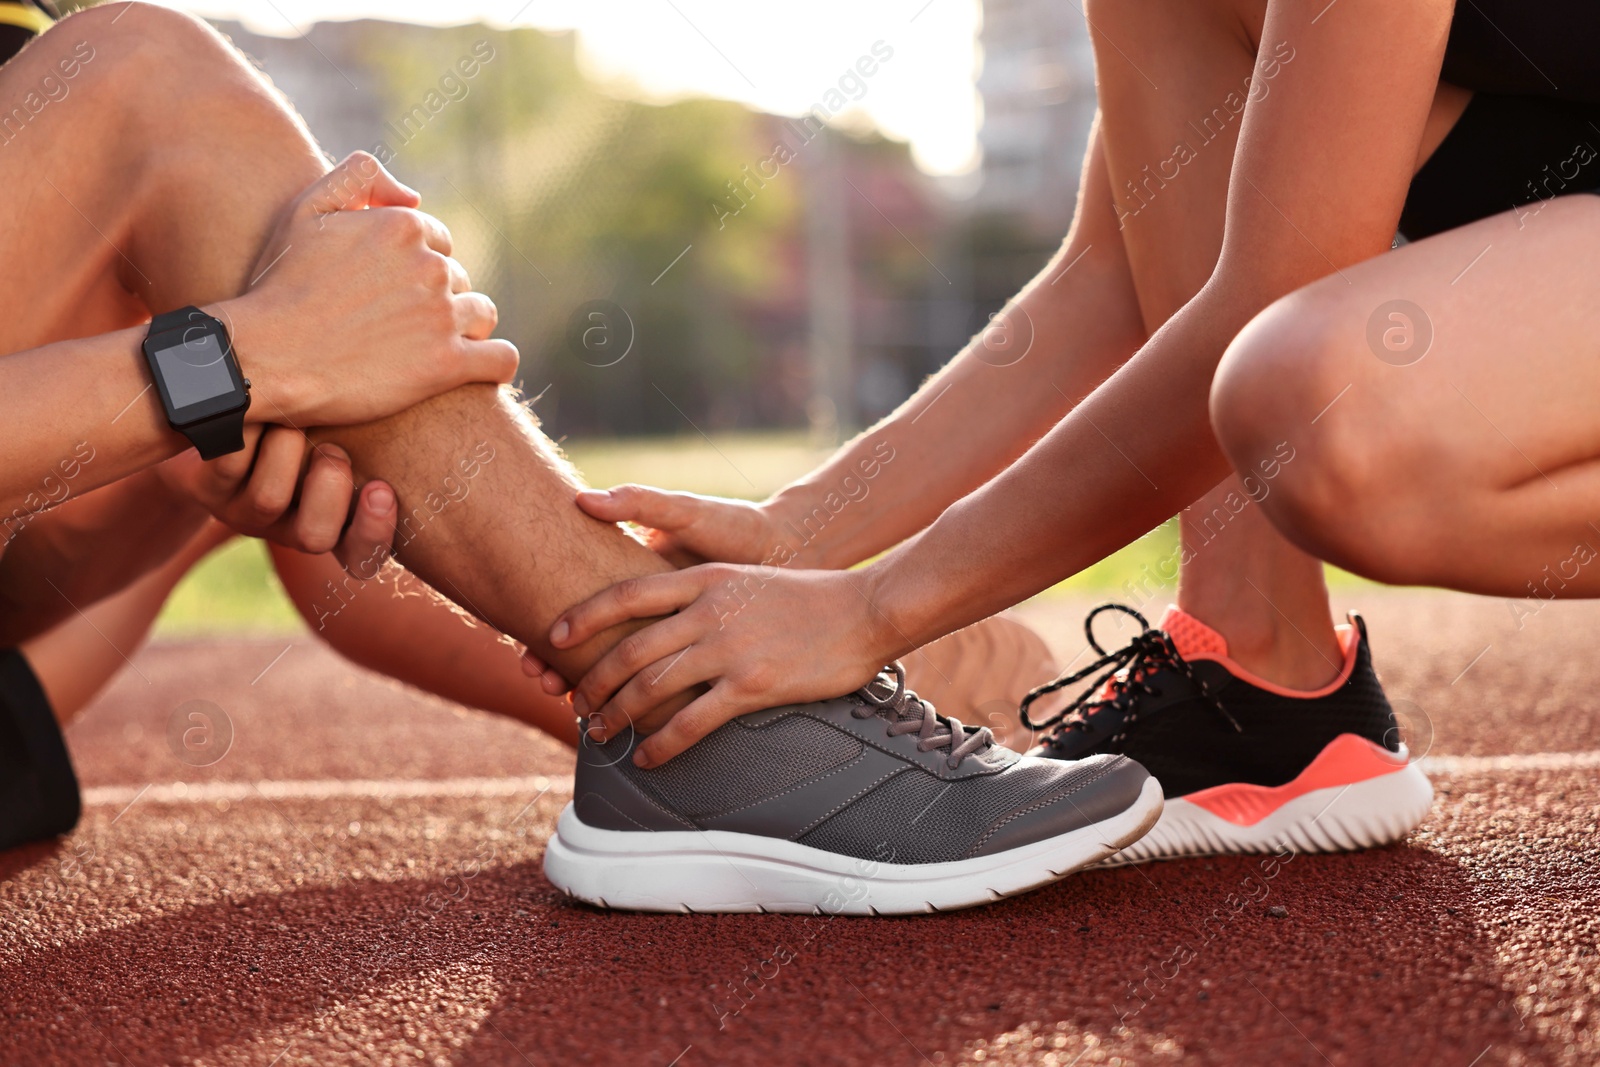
161	68
1348	491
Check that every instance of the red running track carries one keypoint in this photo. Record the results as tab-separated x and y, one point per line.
358	881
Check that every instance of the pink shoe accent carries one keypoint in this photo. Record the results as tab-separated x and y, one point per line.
1346	760
1191	636
1195	640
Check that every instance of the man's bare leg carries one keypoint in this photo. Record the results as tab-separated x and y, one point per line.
487	516
396	625
176	210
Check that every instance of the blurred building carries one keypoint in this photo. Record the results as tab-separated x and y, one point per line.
1037	85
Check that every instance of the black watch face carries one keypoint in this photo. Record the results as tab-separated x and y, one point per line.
195	369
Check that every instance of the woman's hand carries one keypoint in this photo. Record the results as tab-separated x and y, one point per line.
687	528
283	489
758	637
356	310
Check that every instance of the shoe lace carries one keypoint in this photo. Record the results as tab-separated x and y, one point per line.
1126	677
915	715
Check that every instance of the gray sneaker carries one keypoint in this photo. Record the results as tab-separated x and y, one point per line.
868	804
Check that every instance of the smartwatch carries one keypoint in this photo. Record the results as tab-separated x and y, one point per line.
202	390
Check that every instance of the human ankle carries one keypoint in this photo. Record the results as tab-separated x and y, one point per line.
1298	652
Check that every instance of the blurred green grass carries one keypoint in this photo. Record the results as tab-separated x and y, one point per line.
234	590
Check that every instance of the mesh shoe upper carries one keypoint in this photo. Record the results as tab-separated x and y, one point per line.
1194	723
876	775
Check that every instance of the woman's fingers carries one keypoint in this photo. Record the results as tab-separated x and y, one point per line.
325	494
356	181
656	508
702	716
635	598
648	699
370	539
646	665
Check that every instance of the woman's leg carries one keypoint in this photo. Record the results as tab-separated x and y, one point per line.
1447	394
1174	79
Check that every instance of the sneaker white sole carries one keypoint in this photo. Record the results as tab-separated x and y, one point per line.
1365	814
721	871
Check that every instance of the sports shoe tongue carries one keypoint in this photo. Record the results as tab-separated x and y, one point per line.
1190	636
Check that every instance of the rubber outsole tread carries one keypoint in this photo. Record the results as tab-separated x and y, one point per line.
1178	837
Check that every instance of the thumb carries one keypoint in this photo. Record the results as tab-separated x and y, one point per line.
655	508
369	541
358	181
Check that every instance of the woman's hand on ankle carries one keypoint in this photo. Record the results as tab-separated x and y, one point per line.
757	636
686	529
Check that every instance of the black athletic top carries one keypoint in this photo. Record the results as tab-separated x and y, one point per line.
21	21
1532	130
1526	48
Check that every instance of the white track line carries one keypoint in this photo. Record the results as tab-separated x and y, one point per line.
1535	761
408	788
326	789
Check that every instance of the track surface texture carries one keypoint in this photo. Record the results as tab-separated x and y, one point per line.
358	881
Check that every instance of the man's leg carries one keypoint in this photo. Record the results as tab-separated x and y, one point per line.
132	203
396	625
152	183
487	516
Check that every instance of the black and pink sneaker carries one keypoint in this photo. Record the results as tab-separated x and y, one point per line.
1245	765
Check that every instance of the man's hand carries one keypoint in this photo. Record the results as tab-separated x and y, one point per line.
356	311
283	489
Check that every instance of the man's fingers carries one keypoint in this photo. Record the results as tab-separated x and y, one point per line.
273	480
221	476
459	281
702	716
550	680
355	182
656	508
476	315
636	598
370	539
494	360
325	494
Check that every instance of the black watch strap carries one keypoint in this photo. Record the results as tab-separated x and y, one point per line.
220	435
172	320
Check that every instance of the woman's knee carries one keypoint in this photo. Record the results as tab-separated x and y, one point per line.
1345	486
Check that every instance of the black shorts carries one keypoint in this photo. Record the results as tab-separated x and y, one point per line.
1505	153
38	790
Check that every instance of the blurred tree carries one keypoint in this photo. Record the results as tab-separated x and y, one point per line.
560	195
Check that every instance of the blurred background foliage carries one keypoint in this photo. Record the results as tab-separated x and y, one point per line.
714	260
